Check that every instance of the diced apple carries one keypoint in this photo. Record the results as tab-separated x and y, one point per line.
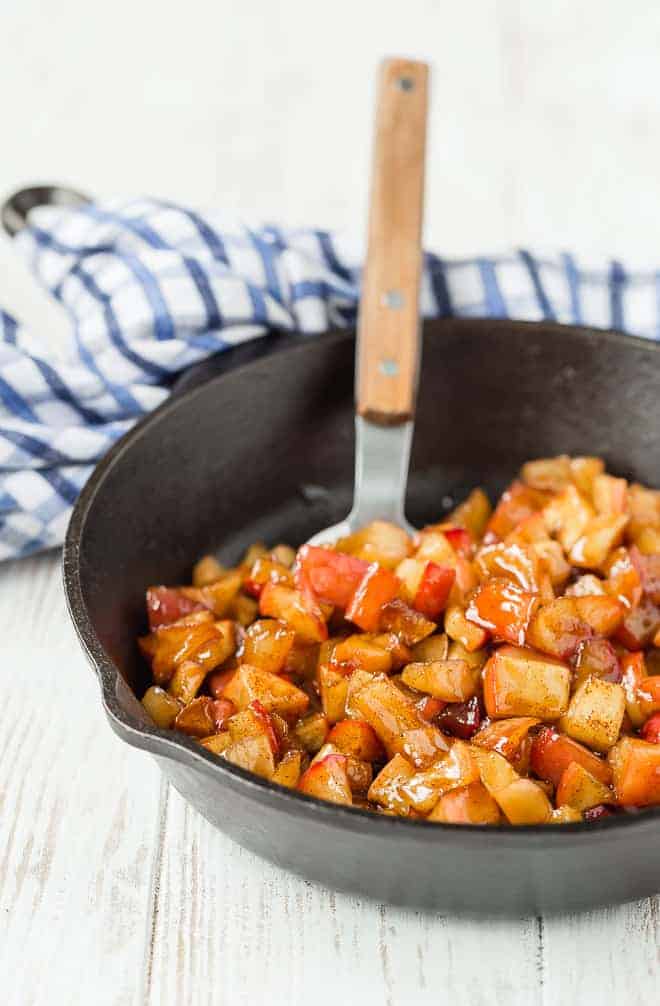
516	503
610	495
162	708
595	714
567	515
584	472
381	542
517	563
560	626
358	739
464	631
218	596
311	731
597	658
421	745
599	536
197	719
333	685
502	608
362	651
639	625
288	605
359	772
217	743
400	654
243	609
549	474
473	513
267	644
207	571
636	772
553	752
333	576
648	569
633	671
377	587
252	753
519	682
471	804
495	771
328	780
274	693
587	585
265	570
651	730
644	505
186	681
409	625
433	590
578	788
170	645
385	708
168	604
449	680
288	771
475	658
506	736
385	790
431	648
551	556
455	769
524	802
565	815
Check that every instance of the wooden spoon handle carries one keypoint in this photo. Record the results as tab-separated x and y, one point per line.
388	348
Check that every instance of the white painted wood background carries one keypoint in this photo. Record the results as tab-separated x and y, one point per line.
544	132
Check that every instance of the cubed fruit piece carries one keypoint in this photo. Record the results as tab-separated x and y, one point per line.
266	570
360	773
599	536
471	804
519	682
648	692
333	576
207	571
597	658
549	474
460	719
216	743
623	578
610	495
218	680
584	472
636	772
578	788
502	608
385	790
256	549
559	627
551	557
587	585
506	736
428	707
243	609
650	731
186	681
433	590
284	554
449	680
475	658
400	654
376	588
639	626
381	542
644	505
385	708
460	628
633	671
333	686
553	752
358	739
312	731
516	503
289	606
252	753
170	645
595	714
218	648
422	745
517	563
433	545
495	771
602	614
274	693
362	651
524	802
648	568
302	659
197	719
565	815
410	572
647	540
452	770
409	625
431	648
328	780
162	708
288	771
219	595
567	515
167	604
473	513
267	644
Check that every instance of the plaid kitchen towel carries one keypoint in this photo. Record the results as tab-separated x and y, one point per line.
151	288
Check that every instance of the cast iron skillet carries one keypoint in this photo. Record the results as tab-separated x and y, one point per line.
262	447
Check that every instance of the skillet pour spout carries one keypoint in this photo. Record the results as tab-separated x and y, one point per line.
258	444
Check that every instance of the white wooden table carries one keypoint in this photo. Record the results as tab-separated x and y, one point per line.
113	892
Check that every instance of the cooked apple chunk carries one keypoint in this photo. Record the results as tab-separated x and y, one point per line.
579	789
520	682
449	680
595	714
275	693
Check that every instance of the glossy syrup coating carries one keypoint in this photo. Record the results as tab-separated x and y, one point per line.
499	667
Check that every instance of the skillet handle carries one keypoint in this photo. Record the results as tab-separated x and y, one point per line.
388	348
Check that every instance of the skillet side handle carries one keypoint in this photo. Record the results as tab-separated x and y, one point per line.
388	348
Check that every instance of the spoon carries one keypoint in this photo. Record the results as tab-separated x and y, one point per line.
388	337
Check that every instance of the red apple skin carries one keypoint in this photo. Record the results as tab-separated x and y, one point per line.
651	730
167	604
333	576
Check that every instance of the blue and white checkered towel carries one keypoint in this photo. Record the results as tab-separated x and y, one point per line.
152	288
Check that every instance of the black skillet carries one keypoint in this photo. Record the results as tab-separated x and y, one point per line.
258	443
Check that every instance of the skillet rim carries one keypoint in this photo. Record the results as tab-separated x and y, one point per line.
170	744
